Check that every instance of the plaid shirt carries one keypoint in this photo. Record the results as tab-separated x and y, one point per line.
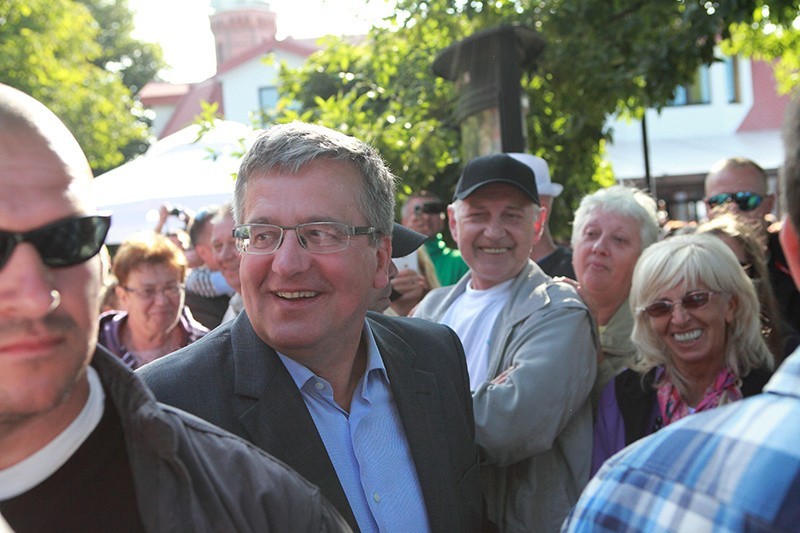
734	468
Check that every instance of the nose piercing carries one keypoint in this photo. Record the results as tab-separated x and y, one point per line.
56	296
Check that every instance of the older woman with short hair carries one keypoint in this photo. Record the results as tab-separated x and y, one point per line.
698	339
150	271
610	229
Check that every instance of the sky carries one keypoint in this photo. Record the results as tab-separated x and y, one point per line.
182	28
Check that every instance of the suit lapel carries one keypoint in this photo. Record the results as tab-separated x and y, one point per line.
416	395
275	417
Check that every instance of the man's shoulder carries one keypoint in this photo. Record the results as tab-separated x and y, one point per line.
534	288
738	464
409	328
209	351
262	484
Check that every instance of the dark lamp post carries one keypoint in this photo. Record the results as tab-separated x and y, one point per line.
487	68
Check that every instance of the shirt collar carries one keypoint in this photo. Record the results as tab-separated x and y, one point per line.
301	374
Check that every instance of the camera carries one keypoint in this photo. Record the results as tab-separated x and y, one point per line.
429	208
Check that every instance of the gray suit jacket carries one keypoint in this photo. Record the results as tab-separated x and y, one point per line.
236	381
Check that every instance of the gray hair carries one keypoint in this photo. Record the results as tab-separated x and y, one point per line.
694	259
623	201
288	147
790	172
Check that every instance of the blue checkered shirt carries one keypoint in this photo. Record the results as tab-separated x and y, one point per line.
734	468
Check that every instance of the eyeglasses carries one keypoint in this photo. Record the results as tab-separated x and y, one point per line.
62	243
316	237
149	293
745	200
690	301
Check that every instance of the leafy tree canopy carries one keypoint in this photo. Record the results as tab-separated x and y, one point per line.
601	57
57	52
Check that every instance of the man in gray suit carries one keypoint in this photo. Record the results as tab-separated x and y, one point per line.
374	410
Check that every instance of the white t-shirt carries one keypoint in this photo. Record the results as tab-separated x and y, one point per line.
472	316
34	469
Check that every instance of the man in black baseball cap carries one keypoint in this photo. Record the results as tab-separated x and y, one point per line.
531	354
496	168
404	242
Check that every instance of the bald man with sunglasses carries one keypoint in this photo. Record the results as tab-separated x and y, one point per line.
739	185
83	444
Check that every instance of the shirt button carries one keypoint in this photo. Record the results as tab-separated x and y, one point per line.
319	385
376	497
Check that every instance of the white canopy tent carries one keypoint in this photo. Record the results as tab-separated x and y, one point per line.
180	170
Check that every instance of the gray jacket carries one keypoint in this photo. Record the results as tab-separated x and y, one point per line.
534	431
192	476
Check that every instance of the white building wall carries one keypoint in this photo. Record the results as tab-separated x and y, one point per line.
240	85
713	119
161	115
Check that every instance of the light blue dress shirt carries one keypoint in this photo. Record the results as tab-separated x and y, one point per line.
368	446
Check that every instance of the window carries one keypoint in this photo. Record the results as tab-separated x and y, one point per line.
697	92
267	97
732	80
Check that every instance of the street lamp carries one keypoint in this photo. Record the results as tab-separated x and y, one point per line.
487	68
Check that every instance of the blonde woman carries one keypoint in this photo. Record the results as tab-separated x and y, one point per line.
698	338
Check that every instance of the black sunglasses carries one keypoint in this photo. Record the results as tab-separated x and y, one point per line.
429	208
745	200
62	243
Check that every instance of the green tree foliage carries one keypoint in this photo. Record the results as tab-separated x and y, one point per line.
601	57
137	61
54	51
772	35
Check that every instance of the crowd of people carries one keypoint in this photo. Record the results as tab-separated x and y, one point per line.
297	360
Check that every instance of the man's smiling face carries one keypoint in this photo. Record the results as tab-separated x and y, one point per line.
495	228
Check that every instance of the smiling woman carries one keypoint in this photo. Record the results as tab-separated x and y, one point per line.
698	339
150	272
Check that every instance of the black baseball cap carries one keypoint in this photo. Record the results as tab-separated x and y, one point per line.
405	241
496	168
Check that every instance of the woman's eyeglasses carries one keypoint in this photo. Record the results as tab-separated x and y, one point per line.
690	301
62	243
172	291
744	200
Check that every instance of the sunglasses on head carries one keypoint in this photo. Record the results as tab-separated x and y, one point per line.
745	200
693	300
62	243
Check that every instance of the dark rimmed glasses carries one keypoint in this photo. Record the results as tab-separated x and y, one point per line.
316	237
690	301
744	200
62	243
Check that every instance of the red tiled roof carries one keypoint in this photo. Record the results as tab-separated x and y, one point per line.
159	93
188	107
291	46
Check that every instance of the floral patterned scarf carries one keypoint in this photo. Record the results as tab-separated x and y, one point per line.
725	389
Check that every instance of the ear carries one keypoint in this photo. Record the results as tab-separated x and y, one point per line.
769	203
730	312
122	297
791	248
384	256
451	221
539	223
